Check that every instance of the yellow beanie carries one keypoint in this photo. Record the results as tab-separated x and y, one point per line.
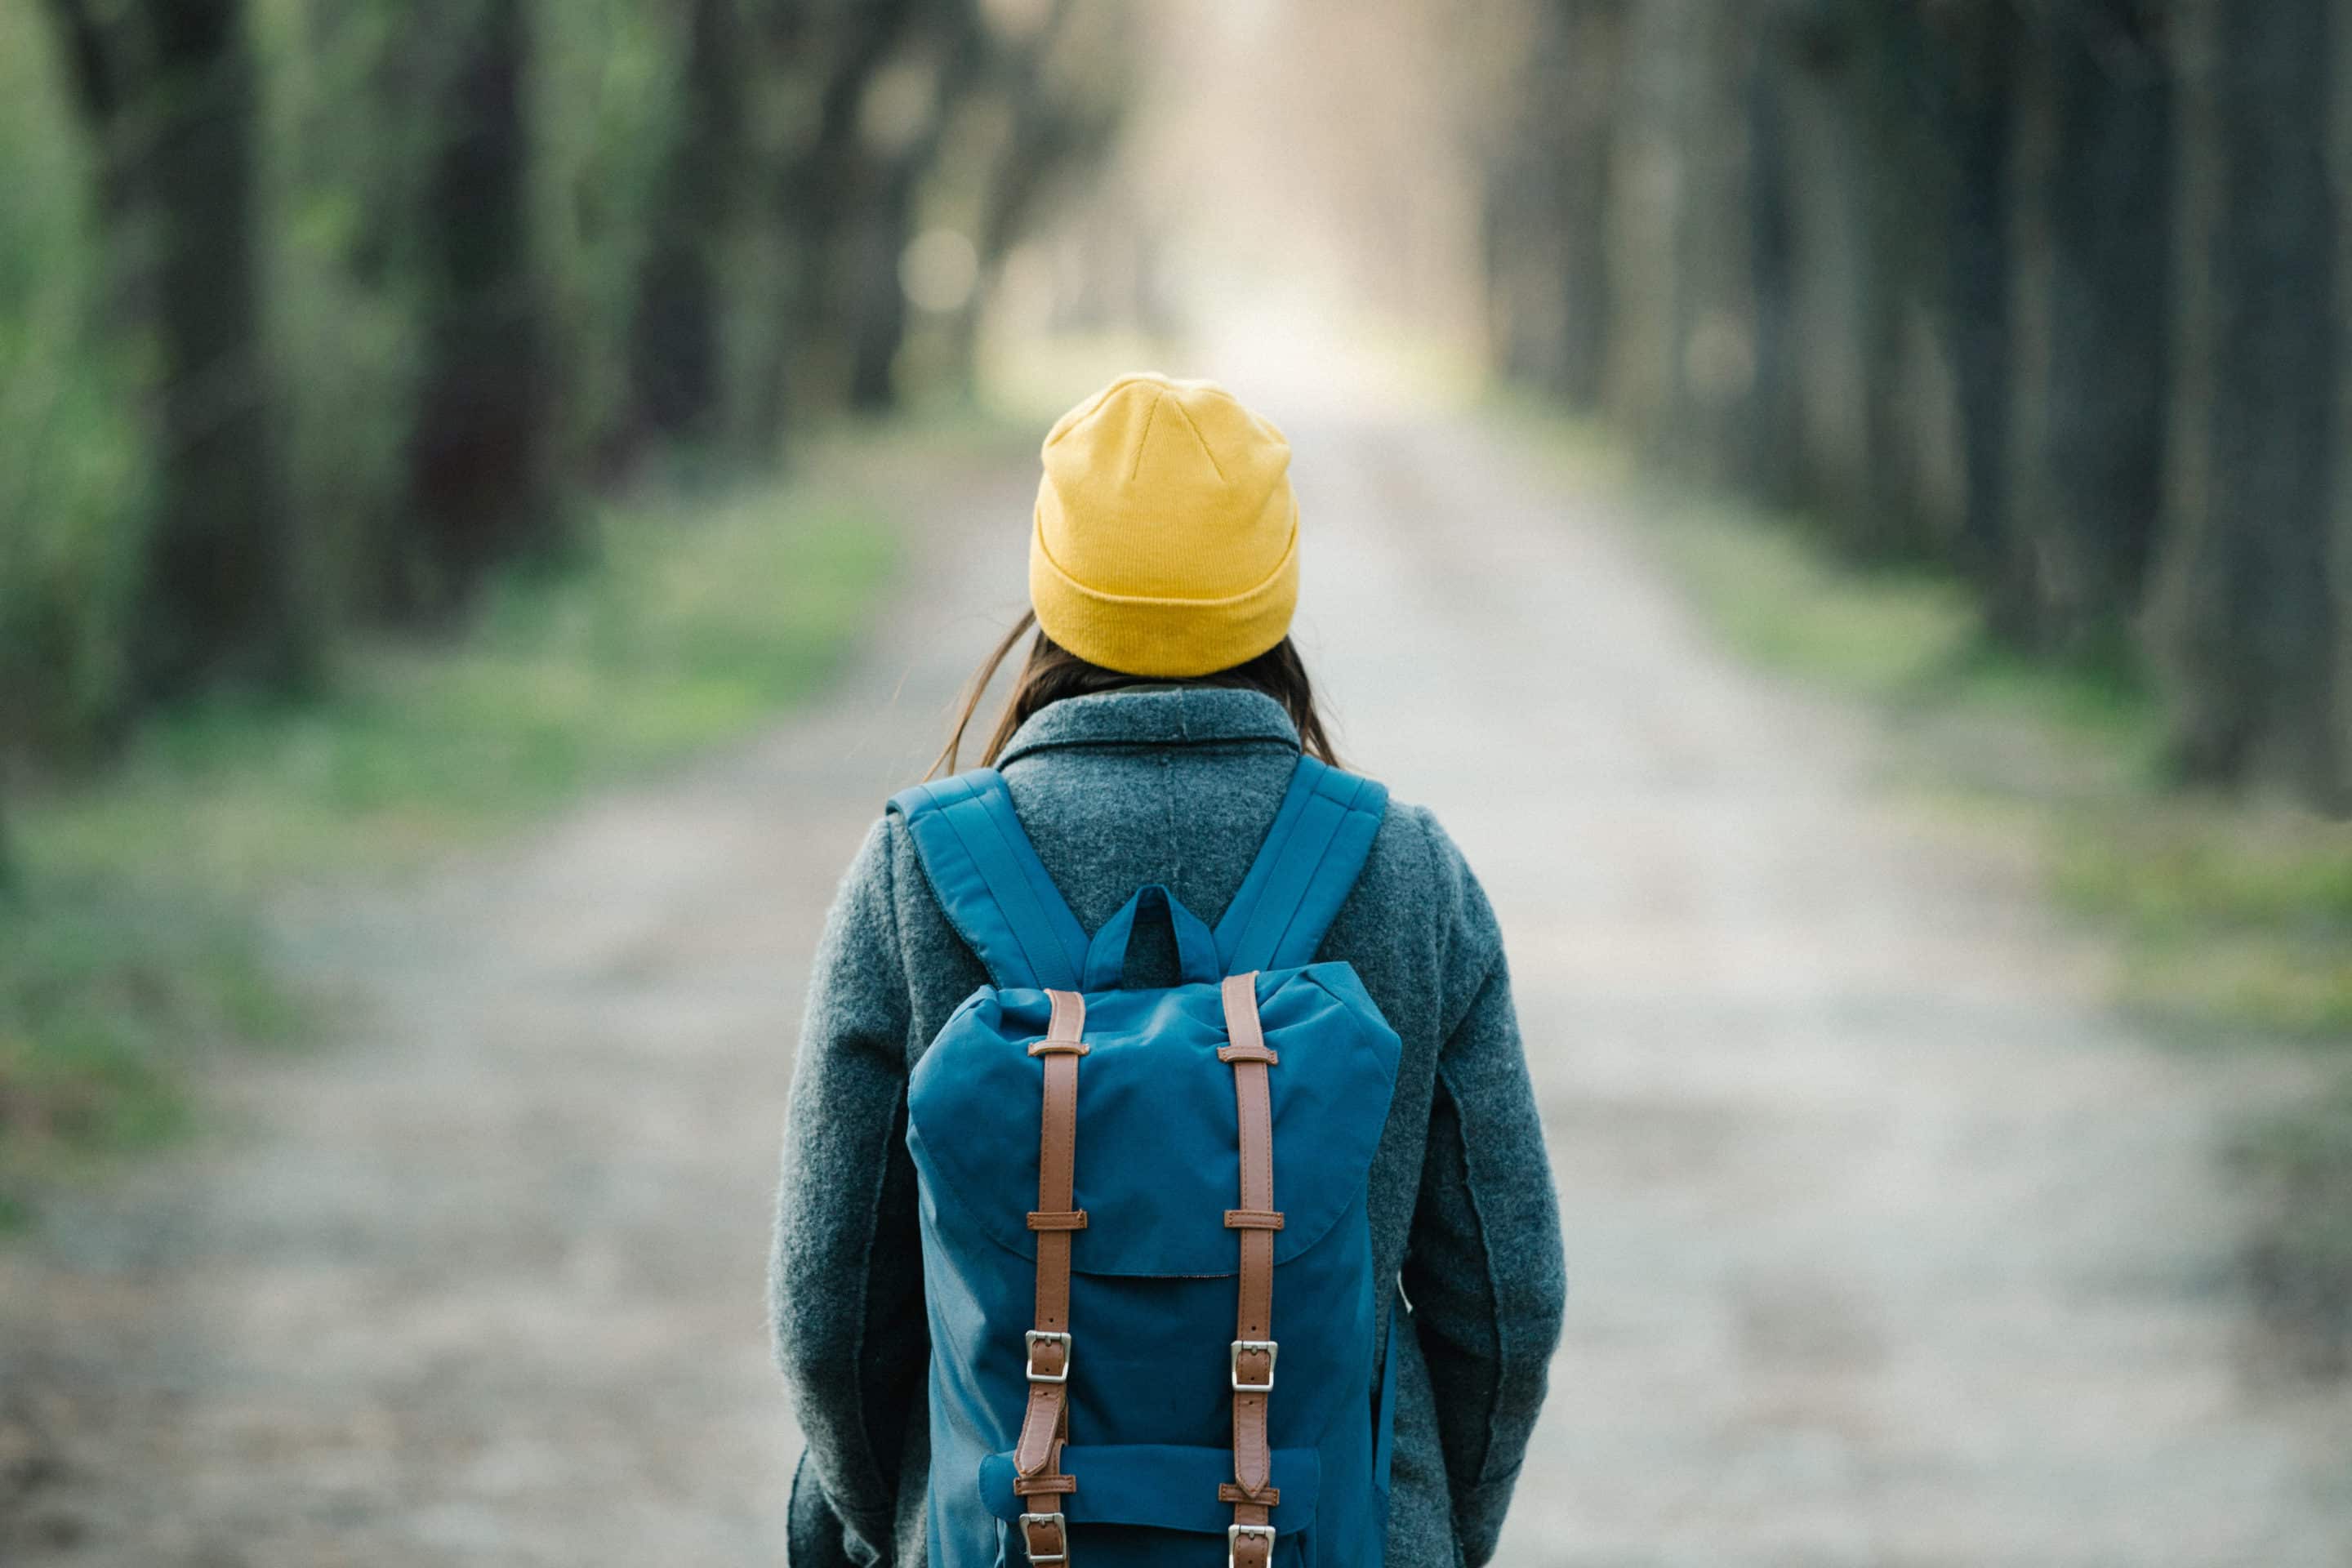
1167	538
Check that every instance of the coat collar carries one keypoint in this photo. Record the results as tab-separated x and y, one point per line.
1155	716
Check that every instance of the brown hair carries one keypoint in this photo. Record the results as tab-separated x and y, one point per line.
1052	672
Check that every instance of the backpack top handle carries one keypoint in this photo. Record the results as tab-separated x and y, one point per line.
1196	948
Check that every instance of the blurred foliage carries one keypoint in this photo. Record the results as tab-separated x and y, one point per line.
74	479
2046	294
130	948
696	623
391	401
730	181
611	77
338	168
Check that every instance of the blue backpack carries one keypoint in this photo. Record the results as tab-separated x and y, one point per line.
1135	1203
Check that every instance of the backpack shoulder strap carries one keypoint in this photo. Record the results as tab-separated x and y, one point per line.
990	884
1313	852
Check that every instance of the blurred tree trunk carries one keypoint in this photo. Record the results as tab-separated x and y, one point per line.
676	362
2094	249
1045	135
2245	627
481	489
167	90
104	55
1823	360
1523	234
1777	398
884	219
1649	178
1711	355
1982	51
1867	118
1891	98
813	191
2338	795
876	307
1624	239
1594	38
877	304
1526	211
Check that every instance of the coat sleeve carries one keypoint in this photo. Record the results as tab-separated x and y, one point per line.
1484	1269
846	1276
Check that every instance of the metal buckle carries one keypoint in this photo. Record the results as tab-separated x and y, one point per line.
1234	1533
1036	1337
1234	1365
1061	1538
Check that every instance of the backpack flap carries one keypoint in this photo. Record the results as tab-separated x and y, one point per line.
1157	1126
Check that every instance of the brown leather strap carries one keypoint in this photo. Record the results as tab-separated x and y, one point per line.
1037	1456
1252	1357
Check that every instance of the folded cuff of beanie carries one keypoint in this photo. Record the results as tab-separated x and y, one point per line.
1173	638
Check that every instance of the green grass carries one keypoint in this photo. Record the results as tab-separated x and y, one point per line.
129	948
2230	918
1771	594
109	996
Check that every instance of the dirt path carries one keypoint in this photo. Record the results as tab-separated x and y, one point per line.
1889	1250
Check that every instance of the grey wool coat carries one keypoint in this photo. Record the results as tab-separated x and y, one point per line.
1175	784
